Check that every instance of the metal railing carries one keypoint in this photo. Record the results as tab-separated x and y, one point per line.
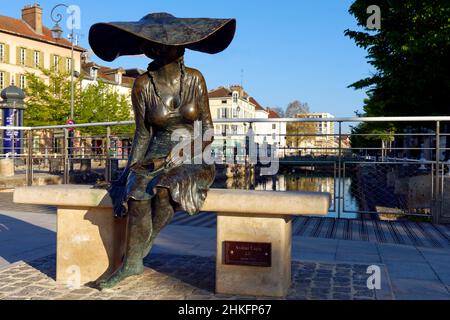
389	174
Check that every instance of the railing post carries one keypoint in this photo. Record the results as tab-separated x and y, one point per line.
108	173
339	197
30	158
66	177
437	206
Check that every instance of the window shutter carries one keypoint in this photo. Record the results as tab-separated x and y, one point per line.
51	62
29	59
7	79
62	64
6	59
18	56
41	59
17	80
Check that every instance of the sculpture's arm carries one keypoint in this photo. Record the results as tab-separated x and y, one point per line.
206	118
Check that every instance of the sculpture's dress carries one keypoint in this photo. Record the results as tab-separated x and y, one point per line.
155	123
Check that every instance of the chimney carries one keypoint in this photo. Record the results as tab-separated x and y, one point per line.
32	15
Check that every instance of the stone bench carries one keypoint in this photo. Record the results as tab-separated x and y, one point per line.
254	233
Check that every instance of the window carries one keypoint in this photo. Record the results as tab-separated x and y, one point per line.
234	129
2	52
224	130
274	126
69	65
224	113
37	59
56	63
118	78
2	80
94	73
235	97
224	101
218	113
23	56
22	81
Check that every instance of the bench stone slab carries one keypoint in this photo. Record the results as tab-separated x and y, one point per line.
90	241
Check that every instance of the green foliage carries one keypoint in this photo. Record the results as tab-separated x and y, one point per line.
411	58
48	103
101	104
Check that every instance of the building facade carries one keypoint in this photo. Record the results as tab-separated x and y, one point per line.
28	46
235	103
118	79
312	138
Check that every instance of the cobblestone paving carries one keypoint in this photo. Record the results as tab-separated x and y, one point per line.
169	277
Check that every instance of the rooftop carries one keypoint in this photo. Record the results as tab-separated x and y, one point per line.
20	28
107	74
224	92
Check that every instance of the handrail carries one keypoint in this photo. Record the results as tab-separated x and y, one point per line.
248	120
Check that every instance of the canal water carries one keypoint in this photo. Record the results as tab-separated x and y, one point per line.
305	181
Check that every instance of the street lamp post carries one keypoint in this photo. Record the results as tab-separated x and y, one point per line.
57	34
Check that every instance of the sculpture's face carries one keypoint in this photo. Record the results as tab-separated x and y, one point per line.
162	52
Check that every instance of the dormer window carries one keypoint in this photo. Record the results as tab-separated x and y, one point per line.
235	97
93	73
118	78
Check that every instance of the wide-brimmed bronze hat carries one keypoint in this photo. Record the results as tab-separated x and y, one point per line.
114	39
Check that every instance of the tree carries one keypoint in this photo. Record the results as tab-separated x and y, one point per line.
295	108
99	103
48	102
296	130
410	55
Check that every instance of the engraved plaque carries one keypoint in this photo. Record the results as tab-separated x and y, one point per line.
247	254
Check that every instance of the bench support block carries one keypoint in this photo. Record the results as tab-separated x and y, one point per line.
90	244
273	281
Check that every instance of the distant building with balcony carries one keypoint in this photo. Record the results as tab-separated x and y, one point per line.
231	103
312	138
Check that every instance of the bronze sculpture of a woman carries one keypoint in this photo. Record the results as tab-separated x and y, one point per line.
168	97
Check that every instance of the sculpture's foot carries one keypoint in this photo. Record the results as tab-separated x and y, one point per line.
127	270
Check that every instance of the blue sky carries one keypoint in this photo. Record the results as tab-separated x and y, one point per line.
287	49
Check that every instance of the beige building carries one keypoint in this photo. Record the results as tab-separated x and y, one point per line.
26	45
312	138
235	103
322	127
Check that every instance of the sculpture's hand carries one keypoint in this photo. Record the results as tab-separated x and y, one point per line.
172	160
122	179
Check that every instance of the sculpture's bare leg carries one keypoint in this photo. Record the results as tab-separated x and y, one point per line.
139	233
162	214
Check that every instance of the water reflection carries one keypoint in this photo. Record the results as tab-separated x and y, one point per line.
302	181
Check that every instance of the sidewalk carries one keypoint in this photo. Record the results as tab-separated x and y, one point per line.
322	268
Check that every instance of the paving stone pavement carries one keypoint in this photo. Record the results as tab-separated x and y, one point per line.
169	277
